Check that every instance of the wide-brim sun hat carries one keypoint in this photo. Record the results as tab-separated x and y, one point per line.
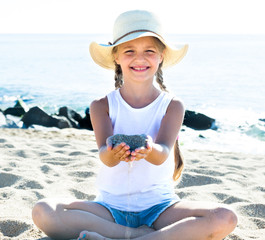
132	25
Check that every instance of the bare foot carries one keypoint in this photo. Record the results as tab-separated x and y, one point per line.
142	230
90	235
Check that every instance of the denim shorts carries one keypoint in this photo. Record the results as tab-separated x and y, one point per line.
137	219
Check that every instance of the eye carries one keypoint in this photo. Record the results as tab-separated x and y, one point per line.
129	52
150	51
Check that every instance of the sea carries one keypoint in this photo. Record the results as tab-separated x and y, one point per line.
222	76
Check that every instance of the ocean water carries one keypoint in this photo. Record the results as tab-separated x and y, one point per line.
222	76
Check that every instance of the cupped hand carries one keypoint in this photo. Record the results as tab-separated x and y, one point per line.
142	152
120	152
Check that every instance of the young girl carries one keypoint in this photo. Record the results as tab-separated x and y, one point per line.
136	193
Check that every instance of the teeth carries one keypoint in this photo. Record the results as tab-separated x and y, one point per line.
139	69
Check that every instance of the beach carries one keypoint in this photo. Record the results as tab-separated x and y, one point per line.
55	163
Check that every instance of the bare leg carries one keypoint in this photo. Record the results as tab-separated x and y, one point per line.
65	220
187	220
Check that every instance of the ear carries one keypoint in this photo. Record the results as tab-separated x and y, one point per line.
116	58
117	61
162	56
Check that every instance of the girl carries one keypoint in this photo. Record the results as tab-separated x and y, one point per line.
136	193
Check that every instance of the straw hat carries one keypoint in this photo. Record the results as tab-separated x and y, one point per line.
129	26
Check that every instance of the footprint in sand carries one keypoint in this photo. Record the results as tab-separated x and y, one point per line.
189	180
83	174
21	153
8	145
8	179
57	161
208	172
45	169
253	210
11	228
221	196
194	161
29	184
38	195
183	195
61	145
94	150
2	140
81	195
77	153
232	199
260	223
228	199
7	169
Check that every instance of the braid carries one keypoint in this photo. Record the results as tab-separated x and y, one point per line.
118	76
159	78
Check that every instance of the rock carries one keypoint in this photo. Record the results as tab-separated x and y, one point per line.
37	116
201	136
85	123
198	121
71	115
262	119
134	141
18	110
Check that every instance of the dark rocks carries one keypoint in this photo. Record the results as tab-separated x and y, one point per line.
37	116
85	122
198	121
66	118
75	119
69	118
134	141
72	116
18	110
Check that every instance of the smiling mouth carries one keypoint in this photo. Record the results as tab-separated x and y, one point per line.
139	69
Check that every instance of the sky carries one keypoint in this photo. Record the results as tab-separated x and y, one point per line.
98	16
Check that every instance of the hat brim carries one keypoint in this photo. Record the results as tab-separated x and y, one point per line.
102	53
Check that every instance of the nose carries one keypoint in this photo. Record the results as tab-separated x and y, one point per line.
140	56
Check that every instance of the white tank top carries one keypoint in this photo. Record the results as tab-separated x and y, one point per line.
144	184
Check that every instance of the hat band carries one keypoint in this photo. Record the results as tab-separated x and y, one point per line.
141	30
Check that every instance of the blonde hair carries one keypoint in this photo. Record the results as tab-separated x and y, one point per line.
179	161
178	157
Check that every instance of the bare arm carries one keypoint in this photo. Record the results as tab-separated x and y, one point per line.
99	113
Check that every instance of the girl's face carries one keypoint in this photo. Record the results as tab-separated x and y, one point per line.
139	59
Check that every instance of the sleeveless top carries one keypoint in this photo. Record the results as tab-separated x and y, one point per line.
141	185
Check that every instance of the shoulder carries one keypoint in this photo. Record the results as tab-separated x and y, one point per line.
176	105
99	105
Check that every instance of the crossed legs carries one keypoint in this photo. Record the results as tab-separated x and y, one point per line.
183	220
65	219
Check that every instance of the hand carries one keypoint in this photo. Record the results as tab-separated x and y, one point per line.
120	152
142	152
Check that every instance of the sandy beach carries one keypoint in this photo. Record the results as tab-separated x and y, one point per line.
64	163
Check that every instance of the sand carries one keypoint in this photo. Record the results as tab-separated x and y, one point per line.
64	163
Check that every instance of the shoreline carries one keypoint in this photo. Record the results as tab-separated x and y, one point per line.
36	164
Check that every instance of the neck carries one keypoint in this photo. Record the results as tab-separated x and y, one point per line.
139	96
